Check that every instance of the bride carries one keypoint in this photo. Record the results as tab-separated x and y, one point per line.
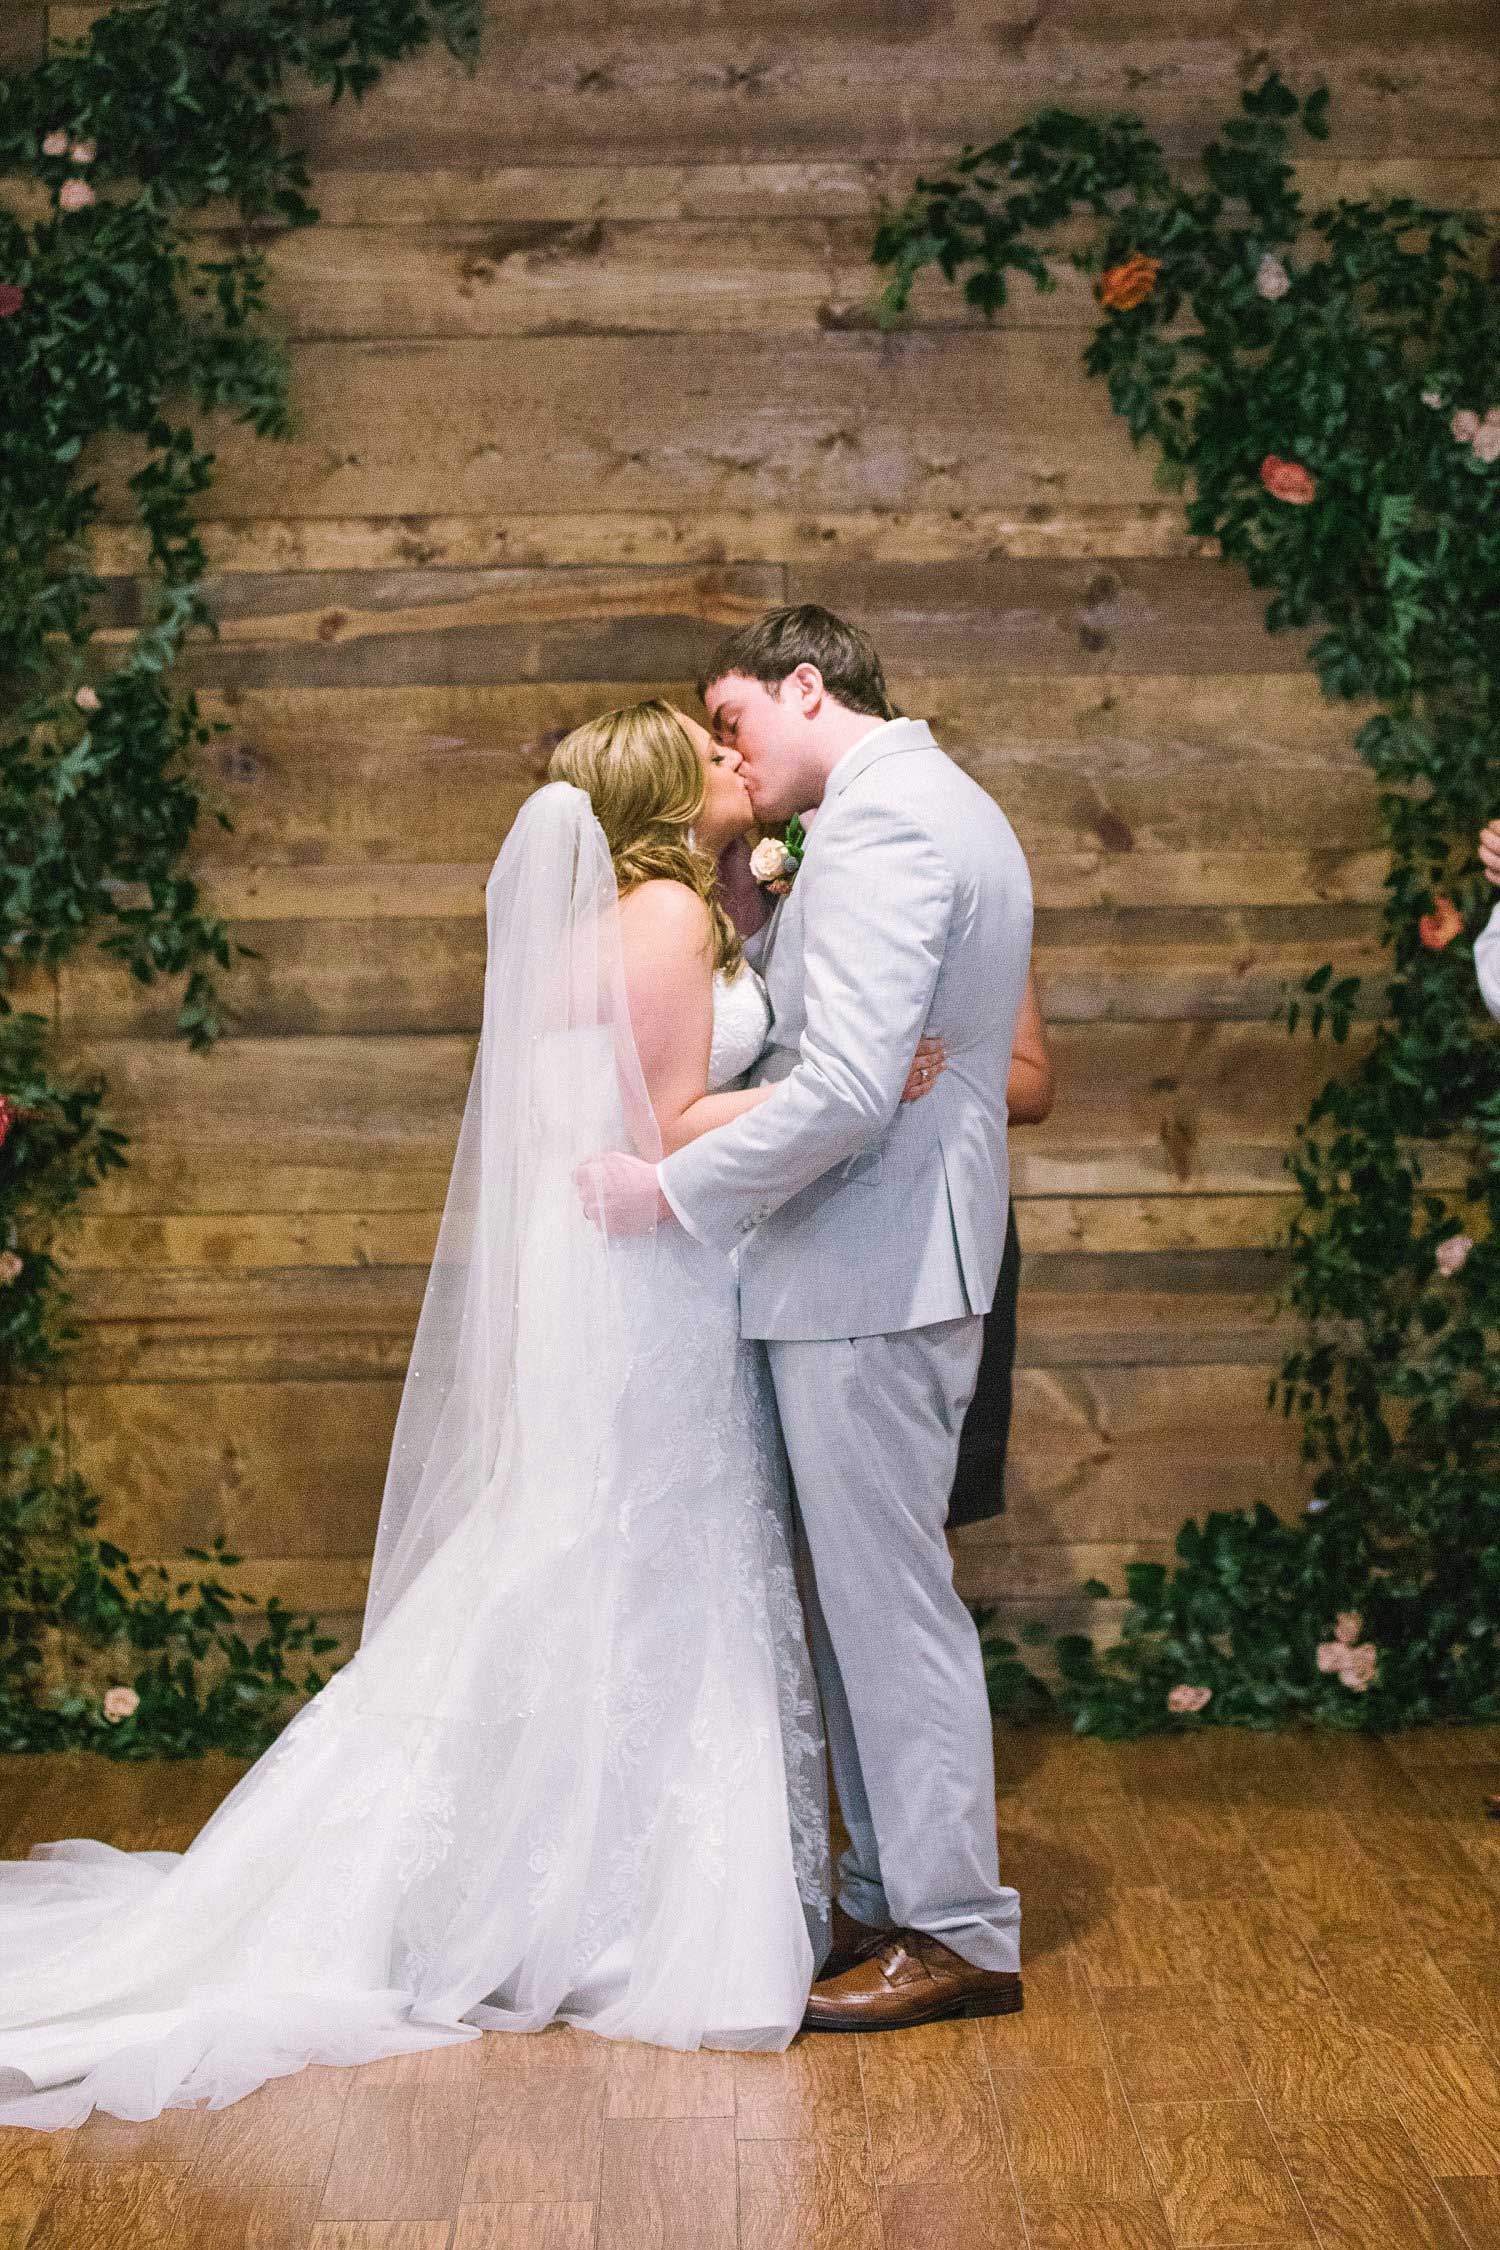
574	1770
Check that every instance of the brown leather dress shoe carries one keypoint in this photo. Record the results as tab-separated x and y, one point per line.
912	1978
853	1941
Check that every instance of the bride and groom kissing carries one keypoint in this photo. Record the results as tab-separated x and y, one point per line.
666	1495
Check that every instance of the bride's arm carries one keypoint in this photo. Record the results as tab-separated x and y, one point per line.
667	942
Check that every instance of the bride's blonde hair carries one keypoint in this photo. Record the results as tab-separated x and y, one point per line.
645	781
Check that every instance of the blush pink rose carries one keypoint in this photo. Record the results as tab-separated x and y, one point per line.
75	195
1271	277
1465	425
84	152
1331	1656
56	144
87	699
1188	1698
1346	1626
11	1268
120	1703
1486	446
1432	398
1358	1667
1288	480
12	298
1452	1256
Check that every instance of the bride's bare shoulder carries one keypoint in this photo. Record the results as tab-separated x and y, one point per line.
664	916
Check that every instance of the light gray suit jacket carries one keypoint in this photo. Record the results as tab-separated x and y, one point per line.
855	1214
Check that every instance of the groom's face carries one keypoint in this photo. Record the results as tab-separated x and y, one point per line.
769	729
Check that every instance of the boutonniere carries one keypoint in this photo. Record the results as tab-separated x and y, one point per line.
776	859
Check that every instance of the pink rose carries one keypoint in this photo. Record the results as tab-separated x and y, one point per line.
12	298
1287	480
1331	1655
120	1703
1486	446
84	152
56	144
1188	1698
7	1118
1465	425
1432	398
1452	1256
1271	277
11	1267
87	699
75	195
1358	1667
1346	1626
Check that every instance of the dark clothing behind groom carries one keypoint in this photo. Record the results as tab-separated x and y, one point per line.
979	1482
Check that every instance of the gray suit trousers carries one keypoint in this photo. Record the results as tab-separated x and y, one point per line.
872	1427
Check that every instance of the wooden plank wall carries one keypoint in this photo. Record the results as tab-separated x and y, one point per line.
586	370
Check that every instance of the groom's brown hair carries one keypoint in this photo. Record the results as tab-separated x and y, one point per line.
771	649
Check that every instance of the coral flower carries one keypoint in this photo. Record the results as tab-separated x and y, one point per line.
1441	926
1288	480
1121	288
1187	1698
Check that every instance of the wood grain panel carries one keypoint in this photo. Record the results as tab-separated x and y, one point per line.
430	194
1220	2175
926	419
1124	765
904	83
1107	1464
248	1239
669	2181
1036	618
1362	2184
807	2195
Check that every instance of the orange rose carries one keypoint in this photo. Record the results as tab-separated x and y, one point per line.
1121	288
1441	926
1287	480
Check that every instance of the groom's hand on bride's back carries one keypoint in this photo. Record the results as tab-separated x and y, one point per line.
621	1194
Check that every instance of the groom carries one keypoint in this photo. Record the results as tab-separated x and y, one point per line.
870	1235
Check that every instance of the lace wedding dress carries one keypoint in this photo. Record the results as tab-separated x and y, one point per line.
575	1769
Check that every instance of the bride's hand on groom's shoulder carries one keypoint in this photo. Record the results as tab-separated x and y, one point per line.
621	1194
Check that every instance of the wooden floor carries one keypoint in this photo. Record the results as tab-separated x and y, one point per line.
1263	2009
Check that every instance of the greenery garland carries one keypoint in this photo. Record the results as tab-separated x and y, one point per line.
112	325
1328	384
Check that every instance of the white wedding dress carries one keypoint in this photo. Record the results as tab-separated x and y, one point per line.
575	1769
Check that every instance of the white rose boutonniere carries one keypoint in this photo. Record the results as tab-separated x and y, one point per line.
775	861
771	862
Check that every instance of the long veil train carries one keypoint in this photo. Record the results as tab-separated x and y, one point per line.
574	1769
